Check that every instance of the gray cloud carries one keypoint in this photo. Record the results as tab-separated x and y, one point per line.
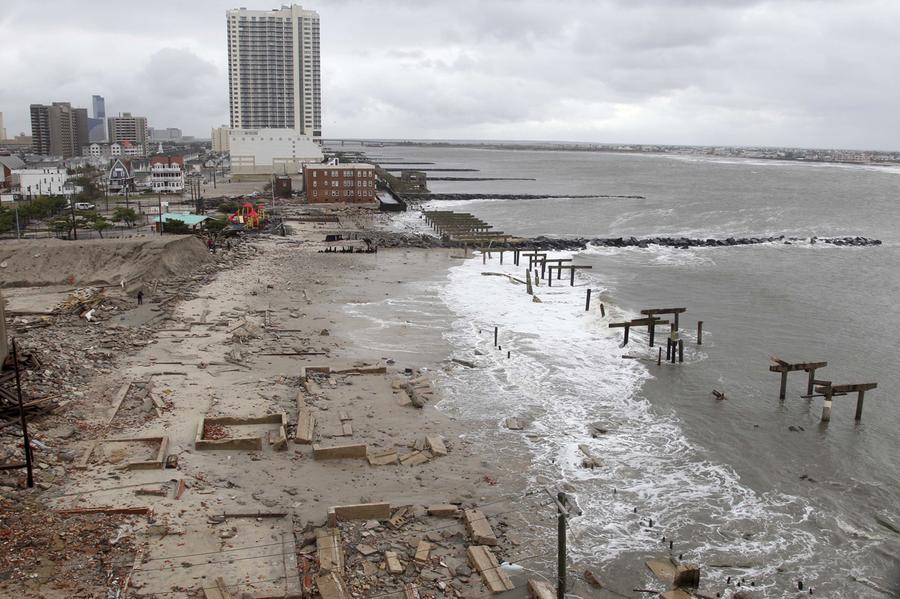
791	72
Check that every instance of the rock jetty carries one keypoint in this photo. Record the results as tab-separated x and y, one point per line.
579	243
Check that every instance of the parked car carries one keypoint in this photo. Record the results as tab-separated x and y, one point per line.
83	206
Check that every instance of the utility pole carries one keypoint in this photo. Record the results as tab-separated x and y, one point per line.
26	440
72	211
159	199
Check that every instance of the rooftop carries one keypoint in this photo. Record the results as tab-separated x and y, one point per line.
347	165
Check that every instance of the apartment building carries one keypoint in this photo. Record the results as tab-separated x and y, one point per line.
339	183
128	128
273	69
58	129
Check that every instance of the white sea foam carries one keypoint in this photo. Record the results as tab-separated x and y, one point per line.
565	372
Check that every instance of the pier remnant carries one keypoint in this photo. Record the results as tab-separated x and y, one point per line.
784	368
832	390
651	323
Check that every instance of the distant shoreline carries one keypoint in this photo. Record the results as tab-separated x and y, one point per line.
639	149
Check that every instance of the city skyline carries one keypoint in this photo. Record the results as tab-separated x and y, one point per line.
743	73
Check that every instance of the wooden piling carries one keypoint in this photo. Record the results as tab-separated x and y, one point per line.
587	301
783	390
826	406
859	405
483	256
681	350
501	256
668	349
659	357
602	311
625	340
651	330
699	332
496	333
528	288
572	278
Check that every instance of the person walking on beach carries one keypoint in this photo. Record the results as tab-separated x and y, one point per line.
140	297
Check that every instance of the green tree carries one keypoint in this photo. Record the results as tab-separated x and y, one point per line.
99	224
60	226
126	215
229	207
215	225
176	227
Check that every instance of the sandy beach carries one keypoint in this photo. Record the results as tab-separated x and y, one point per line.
271	335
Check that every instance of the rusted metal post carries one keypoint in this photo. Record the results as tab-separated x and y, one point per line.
25	438
859	405
783	391
700	334
587	301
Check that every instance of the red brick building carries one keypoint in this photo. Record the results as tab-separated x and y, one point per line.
339	183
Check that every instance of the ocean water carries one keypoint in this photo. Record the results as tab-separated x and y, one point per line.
751	487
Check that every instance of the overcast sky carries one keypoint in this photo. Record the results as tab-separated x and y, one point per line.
738	72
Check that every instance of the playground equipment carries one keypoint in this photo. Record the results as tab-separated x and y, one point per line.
249	215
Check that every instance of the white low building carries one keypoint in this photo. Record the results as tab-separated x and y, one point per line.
257	153
33	182
166	174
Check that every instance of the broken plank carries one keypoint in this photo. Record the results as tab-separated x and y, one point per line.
117	401
443	510
155	492
495	579
411	591
359	511
329	551
138	510
355	450
540	589
479	528
415	458
306	427
436	444
384	458
332	586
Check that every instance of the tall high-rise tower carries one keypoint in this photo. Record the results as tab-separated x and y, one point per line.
99	106
273	69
